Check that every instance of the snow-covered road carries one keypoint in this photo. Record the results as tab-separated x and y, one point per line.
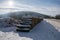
46	30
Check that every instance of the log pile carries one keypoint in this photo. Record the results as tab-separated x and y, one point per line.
28	23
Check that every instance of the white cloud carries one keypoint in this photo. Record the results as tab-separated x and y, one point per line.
52	10
49	10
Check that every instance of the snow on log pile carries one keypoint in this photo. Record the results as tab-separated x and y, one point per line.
4	22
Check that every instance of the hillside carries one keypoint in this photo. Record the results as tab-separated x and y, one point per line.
19	14
28	13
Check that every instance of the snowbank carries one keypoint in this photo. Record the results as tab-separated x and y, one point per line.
42	31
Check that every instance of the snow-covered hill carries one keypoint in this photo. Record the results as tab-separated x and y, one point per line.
46	30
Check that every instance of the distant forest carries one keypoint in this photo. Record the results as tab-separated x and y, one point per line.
57	16
19	14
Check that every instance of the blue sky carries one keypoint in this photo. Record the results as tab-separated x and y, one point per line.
40	2
49	7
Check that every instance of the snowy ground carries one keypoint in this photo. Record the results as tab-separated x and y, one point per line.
46	30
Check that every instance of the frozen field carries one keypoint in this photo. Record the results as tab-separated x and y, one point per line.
46	30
